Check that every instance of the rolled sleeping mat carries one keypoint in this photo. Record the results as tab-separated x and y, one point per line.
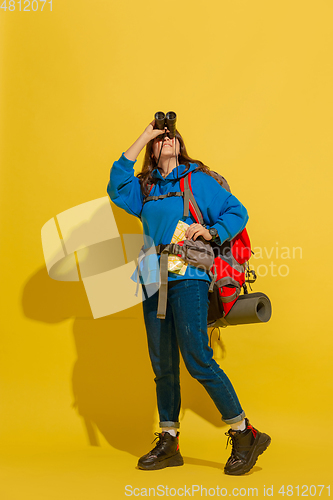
249	308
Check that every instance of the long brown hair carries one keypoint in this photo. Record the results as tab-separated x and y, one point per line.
150	163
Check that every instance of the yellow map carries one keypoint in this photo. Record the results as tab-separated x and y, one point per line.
176	264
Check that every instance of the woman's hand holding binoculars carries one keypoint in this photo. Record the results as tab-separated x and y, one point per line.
148	134
162	124
152	132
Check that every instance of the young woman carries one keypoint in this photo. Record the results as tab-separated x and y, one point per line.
184	328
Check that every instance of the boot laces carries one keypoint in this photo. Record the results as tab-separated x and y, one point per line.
159	436
234	443
235	440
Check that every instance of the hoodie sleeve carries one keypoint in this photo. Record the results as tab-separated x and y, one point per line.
124	188
230	216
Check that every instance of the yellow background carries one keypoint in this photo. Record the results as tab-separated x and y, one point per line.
251	83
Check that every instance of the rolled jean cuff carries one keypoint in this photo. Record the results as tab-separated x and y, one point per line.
235	419
176	425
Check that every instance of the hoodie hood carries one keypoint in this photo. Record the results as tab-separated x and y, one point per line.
182	171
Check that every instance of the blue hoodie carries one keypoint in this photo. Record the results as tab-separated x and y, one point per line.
159	218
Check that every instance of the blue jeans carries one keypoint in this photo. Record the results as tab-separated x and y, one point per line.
185	328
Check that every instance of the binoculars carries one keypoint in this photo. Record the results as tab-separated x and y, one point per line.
168	120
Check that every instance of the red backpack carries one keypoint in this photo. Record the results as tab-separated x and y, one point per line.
230	267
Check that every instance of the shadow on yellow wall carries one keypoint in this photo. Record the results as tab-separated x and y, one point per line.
112	380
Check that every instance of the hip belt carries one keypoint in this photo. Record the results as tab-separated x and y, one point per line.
197	253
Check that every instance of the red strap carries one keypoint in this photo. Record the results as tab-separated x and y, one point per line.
254	431
193	212
191	207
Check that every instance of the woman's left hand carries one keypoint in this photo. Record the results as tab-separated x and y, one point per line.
195	230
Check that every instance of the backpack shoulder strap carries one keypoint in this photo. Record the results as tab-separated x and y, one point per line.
160	196
189	201
150	186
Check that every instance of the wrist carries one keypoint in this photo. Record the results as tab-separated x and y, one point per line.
145	136
213	233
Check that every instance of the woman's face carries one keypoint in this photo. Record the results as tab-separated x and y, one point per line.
168	147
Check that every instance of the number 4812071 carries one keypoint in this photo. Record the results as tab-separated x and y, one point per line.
35	5
304	490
